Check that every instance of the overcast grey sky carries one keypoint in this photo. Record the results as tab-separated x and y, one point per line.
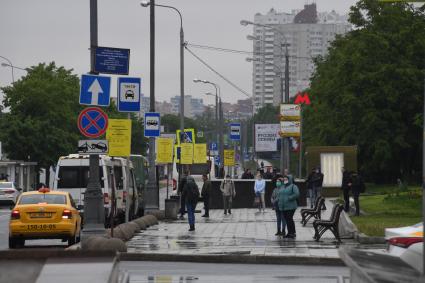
58	30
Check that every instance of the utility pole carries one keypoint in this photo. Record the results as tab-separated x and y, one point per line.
152	193
286	140
94	211
221	135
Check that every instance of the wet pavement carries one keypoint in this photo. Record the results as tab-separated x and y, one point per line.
182	272
244	232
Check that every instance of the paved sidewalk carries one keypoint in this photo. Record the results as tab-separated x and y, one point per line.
244	232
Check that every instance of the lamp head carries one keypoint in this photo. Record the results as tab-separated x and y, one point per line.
249	59
145	3
196	80
5	65
245	23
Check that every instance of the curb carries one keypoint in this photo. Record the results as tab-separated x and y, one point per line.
246	259
365	239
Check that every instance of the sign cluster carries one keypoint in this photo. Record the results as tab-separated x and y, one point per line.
290	115
95	92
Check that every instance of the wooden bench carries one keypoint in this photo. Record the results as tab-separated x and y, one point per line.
316	211
321	226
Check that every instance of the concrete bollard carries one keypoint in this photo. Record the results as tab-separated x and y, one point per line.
134	226
141	222
152	220
96	243
128	231
159	214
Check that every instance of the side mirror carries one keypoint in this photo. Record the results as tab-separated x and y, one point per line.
19	189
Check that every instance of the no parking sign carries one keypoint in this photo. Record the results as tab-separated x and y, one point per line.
92	122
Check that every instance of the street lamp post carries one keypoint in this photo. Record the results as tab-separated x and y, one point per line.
284	142
216	113
152	177
8	65
220	111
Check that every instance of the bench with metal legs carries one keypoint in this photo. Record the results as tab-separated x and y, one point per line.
307	213
321	226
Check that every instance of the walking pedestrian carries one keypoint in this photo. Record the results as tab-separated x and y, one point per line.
247	174
205	193
260	190
346	187
180	192
287	202
280	219
191	196
357	187
309	182
227	188
317	185
268	175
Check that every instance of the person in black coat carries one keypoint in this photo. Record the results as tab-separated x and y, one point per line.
346	187
182	182
309	182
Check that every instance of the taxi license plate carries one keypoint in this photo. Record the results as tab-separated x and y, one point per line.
41	215
41	227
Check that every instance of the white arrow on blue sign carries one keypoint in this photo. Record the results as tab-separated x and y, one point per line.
95	90
129	94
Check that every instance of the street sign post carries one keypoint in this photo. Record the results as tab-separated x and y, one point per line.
235	131
152	124
93	146
92	122
95	90
129	94
110	60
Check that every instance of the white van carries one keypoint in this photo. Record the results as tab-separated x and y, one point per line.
196	171
72	175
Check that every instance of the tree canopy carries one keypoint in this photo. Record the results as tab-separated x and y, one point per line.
368	91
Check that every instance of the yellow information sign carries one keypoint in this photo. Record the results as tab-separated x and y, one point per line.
200	153
186	153
164	150
118	135
229	157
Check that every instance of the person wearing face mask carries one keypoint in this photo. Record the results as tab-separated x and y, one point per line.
287	202
227	188
260	189
280	220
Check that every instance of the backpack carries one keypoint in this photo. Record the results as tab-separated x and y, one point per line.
298	198
192	191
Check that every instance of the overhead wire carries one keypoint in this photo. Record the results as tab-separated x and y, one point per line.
218	74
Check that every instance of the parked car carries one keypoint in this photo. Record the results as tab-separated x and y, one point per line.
44	214
8	192
407	243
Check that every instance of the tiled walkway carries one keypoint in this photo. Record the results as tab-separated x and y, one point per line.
245	231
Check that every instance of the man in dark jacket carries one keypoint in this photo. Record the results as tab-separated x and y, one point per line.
346	187
247	174
180	192
317	185
191	196
205	193
309	182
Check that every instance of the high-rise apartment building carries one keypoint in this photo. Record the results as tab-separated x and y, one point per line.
308	34
192	106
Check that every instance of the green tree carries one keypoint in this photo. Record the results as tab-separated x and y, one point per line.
41	124
368	90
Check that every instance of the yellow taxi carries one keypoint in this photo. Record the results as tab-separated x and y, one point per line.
44	214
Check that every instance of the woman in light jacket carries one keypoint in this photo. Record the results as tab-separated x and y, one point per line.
260	190
287	202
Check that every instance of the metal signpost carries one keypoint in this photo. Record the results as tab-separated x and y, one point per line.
110	60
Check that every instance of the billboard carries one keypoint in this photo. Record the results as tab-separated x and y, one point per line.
266	136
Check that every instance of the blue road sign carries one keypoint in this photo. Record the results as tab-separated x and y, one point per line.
92	122
110	60
235	131
152	124
213	146
95	90
217	159
129	94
